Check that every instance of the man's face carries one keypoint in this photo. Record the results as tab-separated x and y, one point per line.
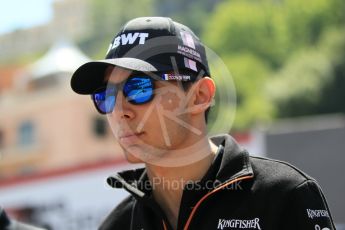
151	130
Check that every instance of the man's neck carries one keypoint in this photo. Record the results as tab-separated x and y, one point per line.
168	182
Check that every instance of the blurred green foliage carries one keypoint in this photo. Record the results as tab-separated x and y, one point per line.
286	56
107	18
313	79
192	12
109	15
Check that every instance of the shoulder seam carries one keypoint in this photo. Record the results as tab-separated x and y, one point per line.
305	182
306	176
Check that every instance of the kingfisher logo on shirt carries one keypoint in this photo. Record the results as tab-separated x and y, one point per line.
239	224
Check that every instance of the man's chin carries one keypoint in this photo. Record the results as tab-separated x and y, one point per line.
133	159
135	154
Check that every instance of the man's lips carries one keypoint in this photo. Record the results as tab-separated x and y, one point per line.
128	138
124	135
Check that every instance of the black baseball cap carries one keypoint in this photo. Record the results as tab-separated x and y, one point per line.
146	44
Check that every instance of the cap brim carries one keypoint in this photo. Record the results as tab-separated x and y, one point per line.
90	76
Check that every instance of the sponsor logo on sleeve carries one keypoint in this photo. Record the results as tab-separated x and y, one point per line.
317	227
317	213
239	224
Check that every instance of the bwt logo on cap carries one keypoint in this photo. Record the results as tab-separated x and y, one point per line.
128	39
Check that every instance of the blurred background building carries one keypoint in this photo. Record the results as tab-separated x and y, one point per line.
71	19
286	57
44	124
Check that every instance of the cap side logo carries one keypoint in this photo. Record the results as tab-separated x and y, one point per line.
187	39
168	77
128	39
190	64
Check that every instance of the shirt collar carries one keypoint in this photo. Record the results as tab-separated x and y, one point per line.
231	161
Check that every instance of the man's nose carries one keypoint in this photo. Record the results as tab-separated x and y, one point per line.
122	108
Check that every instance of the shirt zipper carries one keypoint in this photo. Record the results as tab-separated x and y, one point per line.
206	196
164	225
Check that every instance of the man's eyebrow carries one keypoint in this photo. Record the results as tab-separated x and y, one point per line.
109	79
107	73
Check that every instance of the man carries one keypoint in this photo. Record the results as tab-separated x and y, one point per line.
156	90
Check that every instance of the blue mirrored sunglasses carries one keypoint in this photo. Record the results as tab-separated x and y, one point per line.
137	89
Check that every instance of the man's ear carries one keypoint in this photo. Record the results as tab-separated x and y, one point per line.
203	93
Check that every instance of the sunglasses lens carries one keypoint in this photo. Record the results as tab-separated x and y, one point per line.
105	100
138	90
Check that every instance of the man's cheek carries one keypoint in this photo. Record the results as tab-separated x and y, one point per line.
171	101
